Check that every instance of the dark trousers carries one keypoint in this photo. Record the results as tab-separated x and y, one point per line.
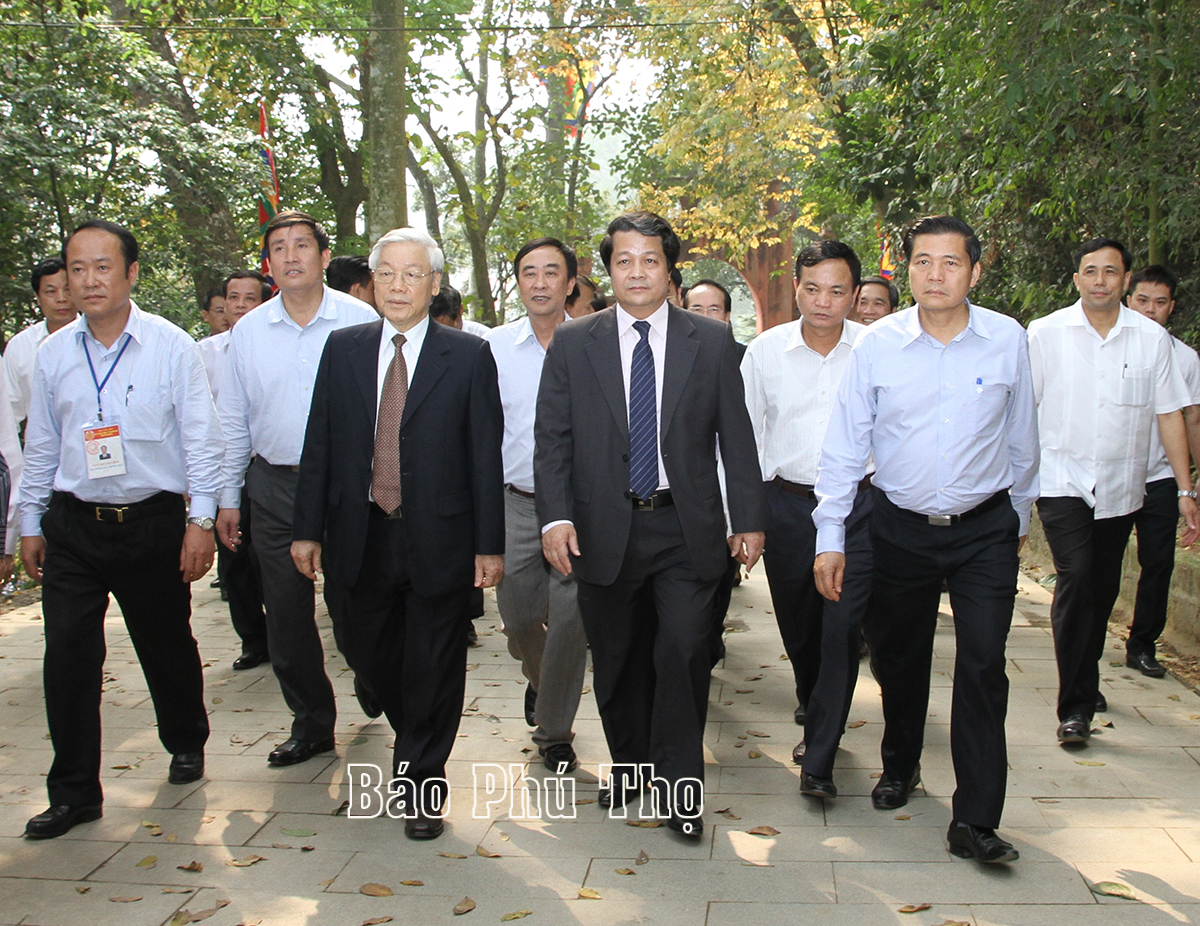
978	559
1156	524
1087	555
410	650
297	655
241	581
138	563
720	609
649	637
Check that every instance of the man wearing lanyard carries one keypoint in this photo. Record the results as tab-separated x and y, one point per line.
943	396
134	384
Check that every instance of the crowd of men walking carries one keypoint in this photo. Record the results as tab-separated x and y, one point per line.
609	470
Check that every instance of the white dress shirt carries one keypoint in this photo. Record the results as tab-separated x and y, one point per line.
414	339
628	338
790	392
266	389
519	358
158	393
479	329
10	446
214	352
950	424
1097	401
1188	362
19	357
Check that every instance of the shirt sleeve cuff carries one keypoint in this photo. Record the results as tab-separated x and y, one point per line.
547	527
1024	515
31	524
202	506
831	538
231	498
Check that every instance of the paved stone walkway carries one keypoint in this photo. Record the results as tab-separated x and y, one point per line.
1124	809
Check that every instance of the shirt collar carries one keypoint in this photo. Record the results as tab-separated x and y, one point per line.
657	320
524	331
796	338
414	335
910	322
1077	317
133	327
277	313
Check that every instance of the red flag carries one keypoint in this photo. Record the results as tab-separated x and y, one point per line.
268	197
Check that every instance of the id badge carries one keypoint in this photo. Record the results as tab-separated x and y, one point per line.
103	450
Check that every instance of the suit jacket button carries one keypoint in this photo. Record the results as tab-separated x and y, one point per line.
624	458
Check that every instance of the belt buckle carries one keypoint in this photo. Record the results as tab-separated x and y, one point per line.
120	513
941	520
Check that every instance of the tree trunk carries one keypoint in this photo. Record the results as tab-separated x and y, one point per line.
387	106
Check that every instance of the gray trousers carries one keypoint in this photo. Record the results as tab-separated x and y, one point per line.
540	611
297	655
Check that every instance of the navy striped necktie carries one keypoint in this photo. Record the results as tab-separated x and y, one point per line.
643	417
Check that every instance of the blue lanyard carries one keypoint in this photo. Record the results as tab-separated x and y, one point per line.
100	384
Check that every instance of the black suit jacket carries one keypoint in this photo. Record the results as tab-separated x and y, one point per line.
451	470
581	460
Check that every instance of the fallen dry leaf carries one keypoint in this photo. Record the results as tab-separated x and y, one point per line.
914	907
466	905
625	871
413	883
1086	762
124	899
730	815
519	915
375	889
154	828
642	858
763	831
246	862
759	733
171	837
307	848
191	866
1113	889
326	882
376	920
342	808
586	800
148	862
207	818
742	691
179	890
451	855
855	724
280	845
738	745
954	923
753	678
486	853
754	754
182	918
647	824
587	893
82	890
1173	697
206	913
904	816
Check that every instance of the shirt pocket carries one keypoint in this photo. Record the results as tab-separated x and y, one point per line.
146	421
989	407
1136	386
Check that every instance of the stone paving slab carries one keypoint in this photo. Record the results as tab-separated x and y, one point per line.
1124	808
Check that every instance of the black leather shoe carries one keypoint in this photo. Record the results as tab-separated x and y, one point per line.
530	706
606	800
59	819
423	827
185	767
560	758
815	786
293	752
1146	664
692	827
1101	703
366	699
798	753
1075	729
979	843
800	714
891	793
249	661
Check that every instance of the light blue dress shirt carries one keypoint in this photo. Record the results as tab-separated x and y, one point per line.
950	424
267	387
158	393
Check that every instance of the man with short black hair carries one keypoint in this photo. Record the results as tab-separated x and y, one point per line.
942	396
877	297
49	283
131	383
708	297
1104	375
212	311
351	274
264	401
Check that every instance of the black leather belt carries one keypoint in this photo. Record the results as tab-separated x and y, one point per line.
121	514
948	520
807	491
521	493
652	502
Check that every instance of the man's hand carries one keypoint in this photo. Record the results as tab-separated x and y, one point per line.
228	522
747	548
1191	517
1021	542
558	544
829	569
33	551
489	570
306	554
196	557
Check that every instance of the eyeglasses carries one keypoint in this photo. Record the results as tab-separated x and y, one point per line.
386	277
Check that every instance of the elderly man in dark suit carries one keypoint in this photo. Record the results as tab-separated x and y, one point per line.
400	499
632	403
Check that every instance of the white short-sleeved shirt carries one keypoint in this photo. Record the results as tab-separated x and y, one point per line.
1188	362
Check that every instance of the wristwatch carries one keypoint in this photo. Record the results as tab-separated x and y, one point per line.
1190	493
206	524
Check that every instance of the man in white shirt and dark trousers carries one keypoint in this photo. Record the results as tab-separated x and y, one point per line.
265	397
941	393
133	384
49	282
1103	375
792	373
538	605
1152	292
